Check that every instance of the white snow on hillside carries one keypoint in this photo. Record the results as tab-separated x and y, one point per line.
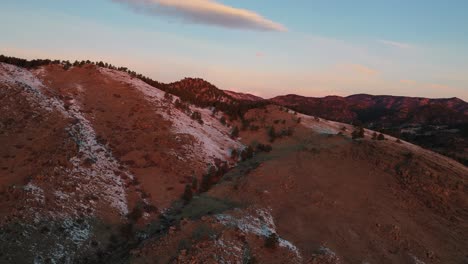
11	75
259	222
212	137
101	177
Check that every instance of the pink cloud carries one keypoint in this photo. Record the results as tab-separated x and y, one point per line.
208	12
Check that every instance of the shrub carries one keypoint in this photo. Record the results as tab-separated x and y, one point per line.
254	128
245	124
222	120
188	194
374	136
358	133
194	183
207	179
235	132
272	133
136	213
287	132
381	137
168	97
197	117
271	241
203	232
234	154
264	148
246	153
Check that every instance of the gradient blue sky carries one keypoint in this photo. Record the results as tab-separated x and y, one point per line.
313	48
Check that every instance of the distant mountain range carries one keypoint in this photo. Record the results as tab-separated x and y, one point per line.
382	110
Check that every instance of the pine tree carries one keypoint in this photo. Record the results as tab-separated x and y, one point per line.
271	241
194	183
188	194
358	133
235	132
272	133
222	120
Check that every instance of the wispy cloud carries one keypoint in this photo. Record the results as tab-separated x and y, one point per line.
361	69
395	44
408	82
207	12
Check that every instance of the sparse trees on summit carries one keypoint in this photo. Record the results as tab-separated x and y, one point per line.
358	133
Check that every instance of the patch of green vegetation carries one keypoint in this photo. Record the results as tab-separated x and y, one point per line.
184	244
205	205
244	168
204	232
198	207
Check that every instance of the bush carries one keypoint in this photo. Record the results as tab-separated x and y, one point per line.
222	120
168	97
235	132
374	136
136	213
203	232
271	241
246	153
194	183
254	128
188	194
358	133
381	137
245	124
207	179
197	117
234	154
264	148
272	133
286	132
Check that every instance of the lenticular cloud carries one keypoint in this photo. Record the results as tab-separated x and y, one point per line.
207	12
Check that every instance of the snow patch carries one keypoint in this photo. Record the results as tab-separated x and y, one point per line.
100	176
213	138
260	223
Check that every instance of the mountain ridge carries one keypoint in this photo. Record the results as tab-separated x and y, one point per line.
98	166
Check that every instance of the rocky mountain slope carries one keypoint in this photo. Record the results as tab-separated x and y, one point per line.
384	110
99	166
437	124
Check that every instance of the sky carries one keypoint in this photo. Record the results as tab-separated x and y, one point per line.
263	47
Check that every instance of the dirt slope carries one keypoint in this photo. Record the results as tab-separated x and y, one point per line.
93	149
330	199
